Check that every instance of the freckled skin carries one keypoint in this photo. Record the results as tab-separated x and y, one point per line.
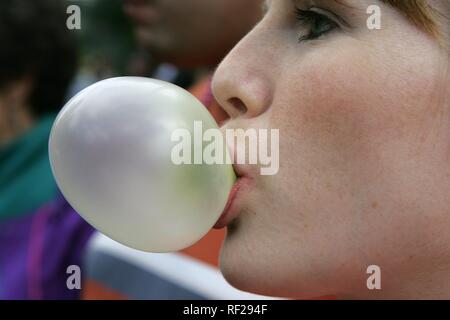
364	158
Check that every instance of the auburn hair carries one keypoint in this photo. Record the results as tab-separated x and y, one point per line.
423	14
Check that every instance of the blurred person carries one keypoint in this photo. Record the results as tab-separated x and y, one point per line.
40	234
193	34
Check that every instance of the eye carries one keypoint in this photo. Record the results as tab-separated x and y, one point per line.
317	23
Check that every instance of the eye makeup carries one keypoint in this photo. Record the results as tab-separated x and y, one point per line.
317	20
318	24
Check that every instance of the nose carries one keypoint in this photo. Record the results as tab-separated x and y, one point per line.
241	83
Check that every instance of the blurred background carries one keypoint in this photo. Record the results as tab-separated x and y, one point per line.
52	49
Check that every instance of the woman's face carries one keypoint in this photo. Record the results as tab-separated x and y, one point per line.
364	179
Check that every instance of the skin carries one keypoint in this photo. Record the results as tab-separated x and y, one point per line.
364	157
192	33
15	118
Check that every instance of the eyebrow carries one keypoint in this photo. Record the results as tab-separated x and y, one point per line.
344	3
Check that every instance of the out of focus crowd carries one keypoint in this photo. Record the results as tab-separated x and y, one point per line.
47	251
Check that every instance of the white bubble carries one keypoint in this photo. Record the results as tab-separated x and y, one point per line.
110	151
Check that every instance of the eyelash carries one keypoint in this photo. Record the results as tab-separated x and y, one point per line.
310	18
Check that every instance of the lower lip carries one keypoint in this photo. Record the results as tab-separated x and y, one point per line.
229	213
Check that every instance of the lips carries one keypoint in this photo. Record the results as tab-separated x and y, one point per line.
231	210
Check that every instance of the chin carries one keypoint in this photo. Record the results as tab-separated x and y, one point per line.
250	264
243	266
240	269
238	274
247	275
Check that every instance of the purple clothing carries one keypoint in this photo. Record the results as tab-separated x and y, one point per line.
37	248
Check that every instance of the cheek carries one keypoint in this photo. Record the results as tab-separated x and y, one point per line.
356	131
356	107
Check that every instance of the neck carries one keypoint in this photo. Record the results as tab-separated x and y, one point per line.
434	283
